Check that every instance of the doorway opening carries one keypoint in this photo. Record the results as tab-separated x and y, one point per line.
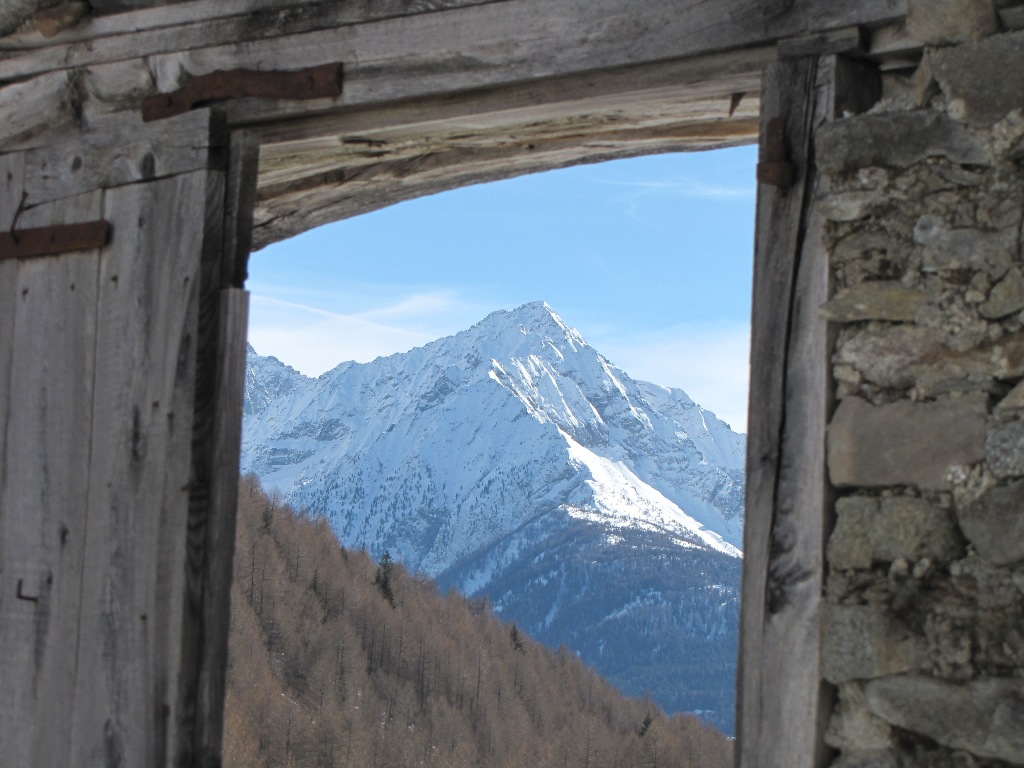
648	262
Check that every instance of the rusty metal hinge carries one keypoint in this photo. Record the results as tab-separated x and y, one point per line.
776	169
319	82
50	241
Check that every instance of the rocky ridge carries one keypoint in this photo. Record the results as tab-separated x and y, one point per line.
513	460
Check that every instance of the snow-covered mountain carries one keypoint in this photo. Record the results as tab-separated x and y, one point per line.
513	460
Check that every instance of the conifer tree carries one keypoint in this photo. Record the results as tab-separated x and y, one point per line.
383	578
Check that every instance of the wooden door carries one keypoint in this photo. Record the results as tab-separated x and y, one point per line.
114	501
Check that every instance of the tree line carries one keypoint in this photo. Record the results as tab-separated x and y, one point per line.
336	660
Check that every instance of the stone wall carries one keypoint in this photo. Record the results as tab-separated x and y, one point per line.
923	198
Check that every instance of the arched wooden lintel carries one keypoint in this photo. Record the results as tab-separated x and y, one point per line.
121	367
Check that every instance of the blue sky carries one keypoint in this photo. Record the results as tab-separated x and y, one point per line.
650	259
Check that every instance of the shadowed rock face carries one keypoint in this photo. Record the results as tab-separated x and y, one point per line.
13	13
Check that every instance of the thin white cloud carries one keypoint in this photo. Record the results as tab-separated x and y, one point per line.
686	189
313	340
416	305
711	364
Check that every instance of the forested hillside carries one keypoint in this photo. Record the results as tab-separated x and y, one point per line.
336	660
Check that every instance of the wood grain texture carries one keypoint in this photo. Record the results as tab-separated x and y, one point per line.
220	526
132	592
193	710
781	702
385	154
347	190
12	170
669	29
513	41
239	205
12	709
35	110
117	153
47	367
225	20
481	46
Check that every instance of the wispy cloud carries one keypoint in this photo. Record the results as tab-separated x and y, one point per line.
313	340
711	363
686	189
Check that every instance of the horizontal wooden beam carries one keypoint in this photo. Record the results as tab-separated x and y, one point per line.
51	241
534	37
341	191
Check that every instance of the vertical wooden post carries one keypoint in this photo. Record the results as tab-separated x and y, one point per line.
217	434
783	704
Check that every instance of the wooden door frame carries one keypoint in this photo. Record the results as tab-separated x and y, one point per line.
783	702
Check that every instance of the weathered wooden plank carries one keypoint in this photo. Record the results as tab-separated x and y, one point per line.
480	46
640	91
35	109
344	191
785	736
164	30
46	362
490	45
668	28
848	40
194	704
127	152
132	593
11	174
239	204
784	703
228	17
220	524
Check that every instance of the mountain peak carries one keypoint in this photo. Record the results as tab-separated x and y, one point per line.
513	460
535	318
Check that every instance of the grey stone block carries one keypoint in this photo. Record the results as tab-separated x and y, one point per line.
1008	356
881	300
946	248
895	141
1013	403
1004	448
867	759
852	727
862	642
1006	296
905	443
872	530
886	356
941	22
994	523
985	717
987	77
984	77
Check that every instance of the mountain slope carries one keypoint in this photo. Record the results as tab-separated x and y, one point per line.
325	669
476	457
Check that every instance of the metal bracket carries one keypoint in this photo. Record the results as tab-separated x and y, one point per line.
50	241
22	595
776	169
319	82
